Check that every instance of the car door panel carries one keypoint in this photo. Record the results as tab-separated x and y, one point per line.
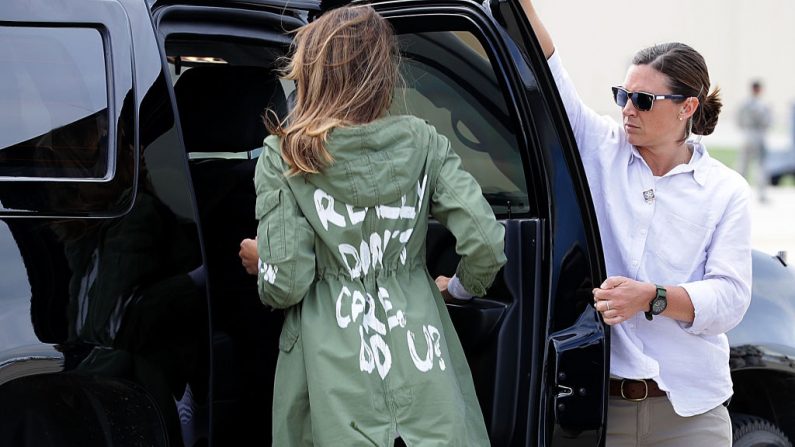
490	327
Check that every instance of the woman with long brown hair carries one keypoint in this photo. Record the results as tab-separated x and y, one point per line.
368	351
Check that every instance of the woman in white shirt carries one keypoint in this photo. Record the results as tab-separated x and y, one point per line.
675	226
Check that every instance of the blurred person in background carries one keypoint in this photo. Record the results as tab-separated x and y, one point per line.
754	119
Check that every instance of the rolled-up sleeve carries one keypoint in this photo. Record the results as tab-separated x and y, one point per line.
722	297
285	240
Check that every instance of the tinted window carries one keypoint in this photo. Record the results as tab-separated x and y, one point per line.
53	103
451	84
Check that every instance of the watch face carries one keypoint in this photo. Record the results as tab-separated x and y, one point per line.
657	306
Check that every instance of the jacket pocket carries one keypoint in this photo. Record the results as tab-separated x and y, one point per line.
273	227
287	340
266	202
291	329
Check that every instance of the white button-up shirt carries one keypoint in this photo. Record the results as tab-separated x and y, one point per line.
690	227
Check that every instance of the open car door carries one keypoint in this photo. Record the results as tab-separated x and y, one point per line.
537	349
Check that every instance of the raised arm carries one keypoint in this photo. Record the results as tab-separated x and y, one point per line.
597	136
538	27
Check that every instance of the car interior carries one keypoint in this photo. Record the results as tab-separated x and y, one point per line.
222	102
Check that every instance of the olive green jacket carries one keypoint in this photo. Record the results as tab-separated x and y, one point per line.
367	348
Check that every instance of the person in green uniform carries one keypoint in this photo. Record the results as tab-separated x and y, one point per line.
344	193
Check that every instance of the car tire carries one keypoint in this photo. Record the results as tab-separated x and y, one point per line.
753	431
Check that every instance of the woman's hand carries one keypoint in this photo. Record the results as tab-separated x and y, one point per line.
248	255
620	298
441	283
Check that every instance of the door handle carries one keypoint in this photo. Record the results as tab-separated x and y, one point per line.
564	391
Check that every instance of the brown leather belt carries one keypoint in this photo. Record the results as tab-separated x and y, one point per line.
635	390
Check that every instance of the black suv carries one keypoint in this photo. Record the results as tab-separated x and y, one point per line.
129	131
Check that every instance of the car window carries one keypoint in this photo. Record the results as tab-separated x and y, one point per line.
225	85
450	82
53	103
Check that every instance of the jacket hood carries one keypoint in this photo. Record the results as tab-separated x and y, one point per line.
375	163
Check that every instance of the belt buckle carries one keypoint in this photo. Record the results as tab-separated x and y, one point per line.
635	400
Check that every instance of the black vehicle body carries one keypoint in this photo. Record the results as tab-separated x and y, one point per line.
779	164
125	317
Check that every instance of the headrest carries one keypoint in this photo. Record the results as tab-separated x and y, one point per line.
221	106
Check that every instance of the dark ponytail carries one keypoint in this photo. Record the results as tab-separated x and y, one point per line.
706	117
687	75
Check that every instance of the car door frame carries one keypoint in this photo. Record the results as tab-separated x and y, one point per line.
577	336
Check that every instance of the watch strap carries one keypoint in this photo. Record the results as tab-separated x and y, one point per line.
661	293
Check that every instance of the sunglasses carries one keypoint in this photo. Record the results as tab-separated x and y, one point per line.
641	100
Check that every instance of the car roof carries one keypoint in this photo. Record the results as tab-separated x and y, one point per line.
302	5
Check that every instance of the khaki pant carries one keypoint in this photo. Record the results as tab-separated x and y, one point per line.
653	422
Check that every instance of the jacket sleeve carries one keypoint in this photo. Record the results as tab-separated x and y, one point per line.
285	240
457	202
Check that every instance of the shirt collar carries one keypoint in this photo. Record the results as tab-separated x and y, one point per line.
697	165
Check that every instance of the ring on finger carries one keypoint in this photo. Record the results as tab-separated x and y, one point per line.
608	304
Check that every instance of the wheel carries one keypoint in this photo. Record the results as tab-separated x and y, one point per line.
753	431
75	410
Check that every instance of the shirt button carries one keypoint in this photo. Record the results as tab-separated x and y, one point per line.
643	232
634	263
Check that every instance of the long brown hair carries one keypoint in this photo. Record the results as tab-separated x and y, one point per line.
345	65
687	75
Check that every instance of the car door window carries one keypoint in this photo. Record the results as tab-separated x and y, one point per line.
450	82
53	103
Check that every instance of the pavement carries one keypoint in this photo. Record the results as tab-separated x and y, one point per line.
773	222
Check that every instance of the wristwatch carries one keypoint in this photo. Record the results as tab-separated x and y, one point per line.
658	303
